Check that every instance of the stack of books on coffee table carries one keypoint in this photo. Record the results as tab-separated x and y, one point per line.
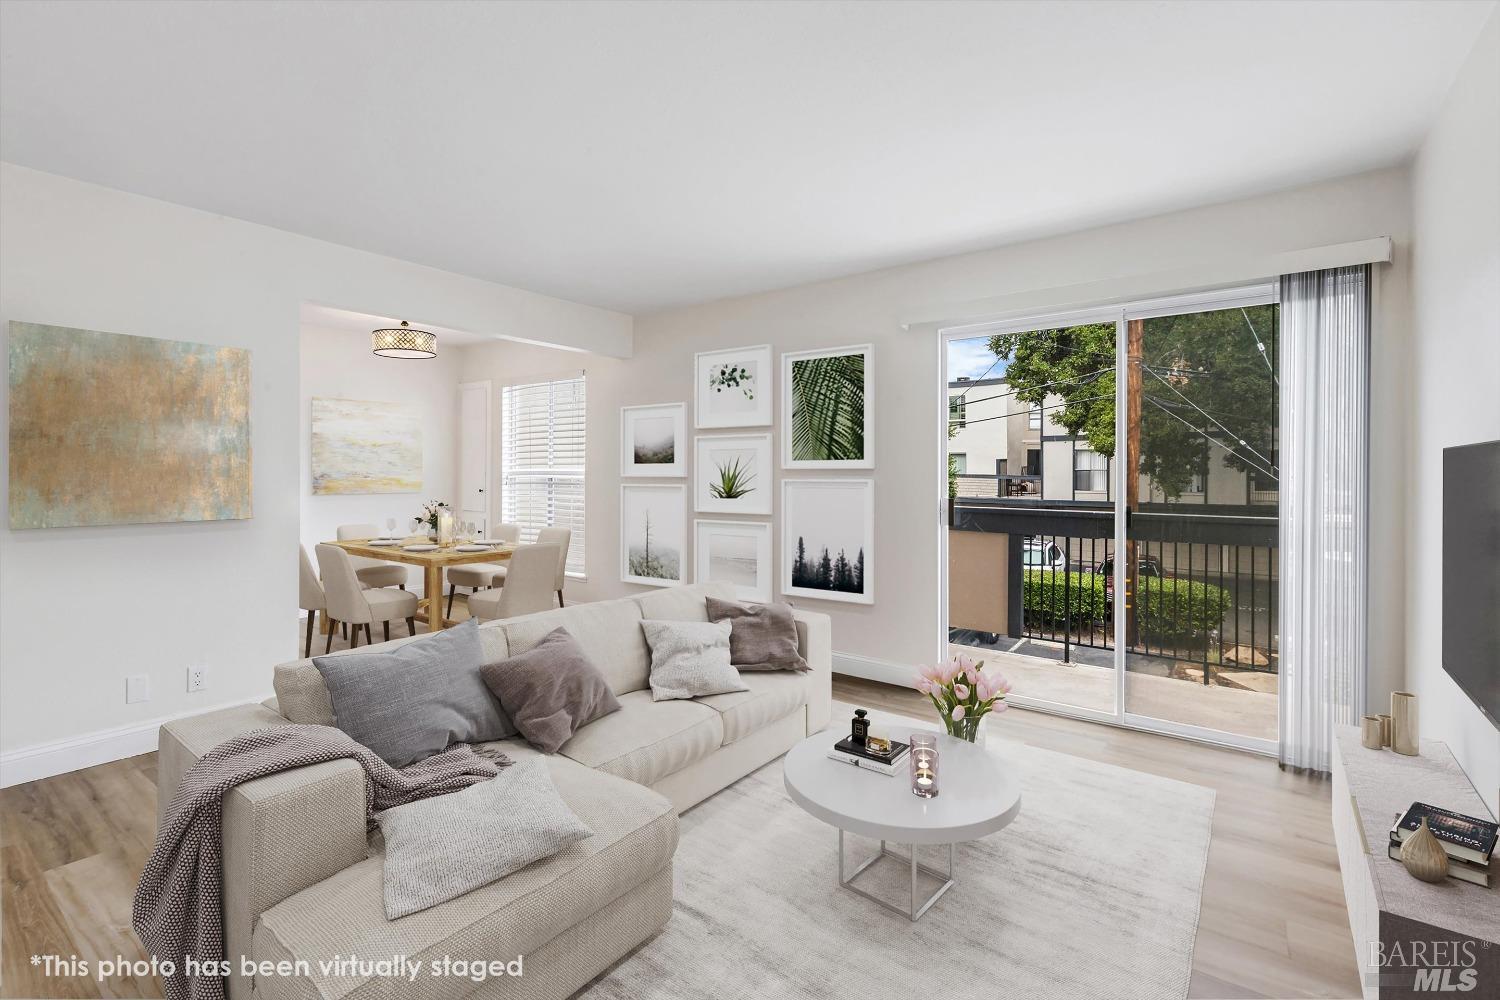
846	751
1468	841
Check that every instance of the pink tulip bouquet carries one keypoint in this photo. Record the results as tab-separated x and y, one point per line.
963	694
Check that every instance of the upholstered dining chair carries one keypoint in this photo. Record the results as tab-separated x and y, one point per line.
310	596
350	603
529	583
562	538
372	572
478	576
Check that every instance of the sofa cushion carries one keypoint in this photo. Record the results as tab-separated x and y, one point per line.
647	740
635	835
683	604
689	659
551	690
609	632
302	697
772	696
763	636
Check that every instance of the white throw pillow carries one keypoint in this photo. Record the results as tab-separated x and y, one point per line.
689	659
439	848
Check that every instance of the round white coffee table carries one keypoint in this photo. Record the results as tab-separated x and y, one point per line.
976	797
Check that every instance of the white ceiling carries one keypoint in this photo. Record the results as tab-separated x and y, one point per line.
643	155
360	324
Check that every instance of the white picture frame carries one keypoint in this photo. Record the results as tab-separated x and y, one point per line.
737	552
651	557
833	514
717	456
828	450
733	388
653	441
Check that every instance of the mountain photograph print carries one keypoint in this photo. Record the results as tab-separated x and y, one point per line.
734	387
651	440
828	539
653	534
828	409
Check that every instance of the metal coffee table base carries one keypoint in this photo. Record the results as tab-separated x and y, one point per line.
914	911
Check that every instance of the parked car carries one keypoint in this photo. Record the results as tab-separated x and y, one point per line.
1146	566
1036	554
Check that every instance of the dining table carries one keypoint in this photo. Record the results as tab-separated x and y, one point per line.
433	562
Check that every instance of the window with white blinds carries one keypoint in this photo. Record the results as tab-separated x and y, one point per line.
541	459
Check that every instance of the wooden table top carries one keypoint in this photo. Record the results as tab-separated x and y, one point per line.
441	557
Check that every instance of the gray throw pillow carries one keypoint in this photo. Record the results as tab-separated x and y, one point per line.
437	849
761	637
415	700
550	691
690	659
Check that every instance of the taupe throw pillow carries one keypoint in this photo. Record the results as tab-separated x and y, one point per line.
415	700
440	848
690	659
550	691
761	637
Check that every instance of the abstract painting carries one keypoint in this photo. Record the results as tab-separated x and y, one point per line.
828	539
733	387
828	409
653	534
361	446
651	440
106	428
735	552
732	474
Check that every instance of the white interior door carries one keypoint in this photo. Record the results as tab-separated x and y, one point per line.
474	430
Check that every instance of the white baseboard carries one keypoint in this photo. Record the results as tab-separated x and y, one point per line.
43	760
871	669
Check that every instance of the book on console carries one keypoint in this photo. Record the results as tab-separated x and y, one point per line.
1459	868
1466	837
848	752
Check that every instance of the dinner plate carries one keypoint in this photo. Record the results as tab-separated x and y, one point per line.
424	547
384	541
473	547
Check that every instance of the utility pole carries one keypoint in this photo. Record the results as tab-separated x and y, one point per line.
1135	336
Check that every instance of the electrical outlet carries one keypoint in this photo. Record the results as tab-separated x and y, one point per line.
137	689
197	679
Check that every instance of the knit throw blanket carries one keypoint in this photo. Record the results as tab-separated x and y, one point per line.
178	910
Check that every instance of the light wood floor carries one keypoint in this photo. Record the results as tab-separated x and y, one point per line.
1273	922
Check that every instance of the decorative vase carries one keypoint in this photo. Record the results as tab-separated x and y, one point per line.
1423	855
969	730
444	527
1370	728
1405	738
1385	730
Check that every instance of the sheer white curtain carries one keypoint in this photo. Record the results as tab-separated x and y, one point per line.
1324	486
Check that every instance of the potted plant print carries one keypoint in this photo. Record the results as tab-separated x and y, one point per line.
963	694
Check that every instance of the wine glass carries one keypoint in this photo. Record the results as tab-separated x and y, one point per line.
390	527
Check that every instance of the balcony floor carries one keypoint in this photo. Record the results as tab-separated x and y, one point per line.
1037	672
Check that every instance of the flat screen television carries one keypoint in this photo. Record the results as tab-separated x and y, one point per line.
1471	572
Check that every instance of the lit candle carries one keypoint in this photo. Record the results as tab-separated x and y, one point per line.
924	761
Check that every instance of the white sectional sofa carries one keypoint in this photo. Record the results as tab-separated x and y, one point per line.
300	881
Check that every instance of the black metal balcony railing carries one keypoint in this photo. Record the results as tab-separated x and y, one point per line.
1203	589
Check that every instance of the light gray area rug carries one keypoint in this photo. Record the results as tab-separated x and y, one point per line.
1092	892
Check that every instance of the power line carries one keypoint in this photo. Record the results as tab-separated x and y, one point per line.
1260	347
1216	423
1064	381
1203	433
1025	413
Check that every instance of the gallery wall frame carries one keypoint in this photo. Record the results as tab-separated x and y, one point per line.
828	539
653	534
732	474
828	408
653	441
736	552
733	388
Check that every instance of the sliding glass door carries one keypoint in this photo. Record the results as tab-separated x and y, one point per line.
1147	431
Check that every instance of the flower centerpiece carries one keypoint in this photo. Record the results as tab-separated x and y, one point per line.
429	515
963	694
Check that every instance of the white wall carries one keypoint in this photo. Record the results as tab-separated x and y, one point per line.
901	629
82	608
339	364
1456	374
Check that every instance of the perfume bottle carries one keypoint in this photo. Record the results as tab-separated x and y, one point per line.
859	728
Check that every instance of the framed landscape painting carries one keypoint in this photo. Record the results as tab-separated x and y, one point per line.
652	440
365	446
653	534
737	552
732	474
828	539
828	409
733	388
109	428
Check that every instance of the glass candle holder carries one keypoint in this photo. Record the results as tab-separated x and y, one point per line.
924	765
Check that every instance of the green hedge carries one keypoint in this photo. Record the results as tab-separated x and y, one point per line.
1168	609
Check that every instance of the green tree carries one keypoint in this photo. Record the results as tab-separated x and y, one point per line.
1206	377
